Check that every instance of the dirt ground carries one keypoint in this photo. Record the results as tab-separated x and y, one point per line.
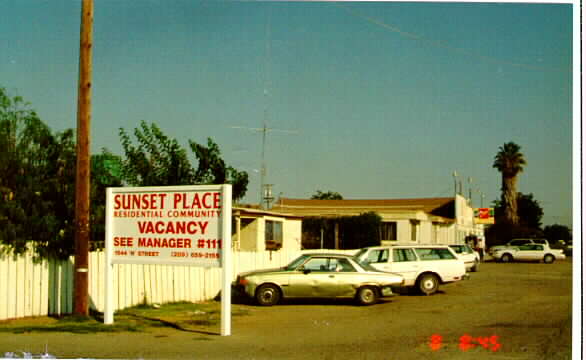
528	306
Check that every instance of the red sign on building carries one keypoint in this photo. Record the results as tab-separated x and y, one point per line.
484	215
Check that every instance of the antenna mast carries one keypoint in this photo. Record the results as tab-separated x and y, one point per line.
267	83
265	190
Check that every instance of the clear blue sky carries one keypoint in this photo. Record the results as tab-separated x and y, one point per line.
387	99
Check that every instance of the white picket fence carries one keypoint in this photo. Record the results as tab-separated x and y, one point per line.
46	288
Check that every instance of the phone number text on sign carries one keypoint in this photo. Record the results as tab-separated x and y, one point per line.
171	227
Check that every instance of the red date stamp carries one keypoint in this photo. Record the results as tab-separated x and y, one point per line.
467	342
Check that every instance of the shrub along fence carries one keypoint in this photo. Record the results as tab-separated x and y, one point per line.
29	288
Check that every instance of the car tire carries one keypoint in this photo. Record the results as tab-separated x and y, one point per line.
367	295
475	267
506	258
428	284
548	259
267	295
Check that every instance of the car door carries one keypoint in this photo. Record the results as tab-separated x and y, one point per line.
343	278
443	261
529	252
313	279
404	262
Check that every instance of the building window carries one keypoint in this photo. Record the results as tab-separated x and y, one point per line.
414	230
273	235
435	233
388	231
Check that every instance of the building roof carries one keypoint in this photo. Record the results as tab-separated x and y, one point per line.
251	212
443	207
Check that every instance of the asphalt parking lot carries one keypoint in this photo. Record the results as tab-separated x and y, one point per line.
505	311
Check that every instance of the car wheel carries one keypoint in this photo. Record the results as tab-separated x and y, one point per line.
267	295
548	259
428	284
506	258
475	267
367	295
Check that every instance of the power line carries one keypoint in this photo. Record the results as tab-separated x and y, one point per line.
439	43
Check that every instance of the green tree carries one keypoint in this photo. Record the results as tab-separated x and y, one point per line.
529	226
212	169
37	182
557	232
509	161
354	231
327	195
360	231
157	160
106	171
530	212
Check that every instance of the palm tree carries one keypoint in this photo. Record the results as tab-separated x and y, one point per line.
509	161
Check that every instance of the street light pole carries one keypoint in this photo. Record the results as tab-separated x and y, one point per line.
470	190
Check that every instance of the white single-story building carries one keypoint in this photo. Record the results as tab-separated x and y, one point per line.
447	220
259	230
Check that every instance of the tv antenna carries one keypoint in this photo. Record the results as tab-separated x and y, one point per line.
263	167
265	129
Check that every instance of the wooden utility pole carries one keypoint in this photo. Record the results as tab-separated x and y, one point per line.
82	177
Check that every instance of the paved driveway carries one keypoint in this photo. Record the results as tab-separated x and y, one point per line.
526	305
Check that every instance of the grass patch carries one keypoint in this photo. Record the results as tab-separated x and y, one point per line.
72	324
184	316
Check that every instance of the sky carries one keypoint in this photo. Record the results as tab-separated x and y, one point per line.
373	100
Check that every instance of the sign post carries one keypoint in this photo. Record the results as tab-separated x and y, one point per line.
226	313
171	225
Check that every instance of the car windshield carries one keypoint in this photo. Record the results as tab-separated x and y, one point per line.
295	263
360	253
364	263
366	266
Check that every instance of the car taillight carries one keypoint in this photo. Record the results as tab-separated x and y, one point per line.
242	281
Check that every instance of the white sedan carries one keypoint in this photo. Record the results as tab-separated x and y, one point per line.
319	275
529	252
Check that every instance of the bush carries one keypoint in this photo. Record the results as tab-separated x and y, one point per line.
502	233
353	231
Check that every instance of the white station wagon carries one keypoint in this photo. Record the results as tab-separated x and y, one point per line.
422	266
470	257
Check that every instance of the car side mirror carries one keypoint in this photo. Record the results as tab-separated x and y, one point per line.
306	271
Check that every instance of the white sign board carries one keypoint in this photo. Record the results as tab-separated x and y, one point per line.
170	225
165	225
